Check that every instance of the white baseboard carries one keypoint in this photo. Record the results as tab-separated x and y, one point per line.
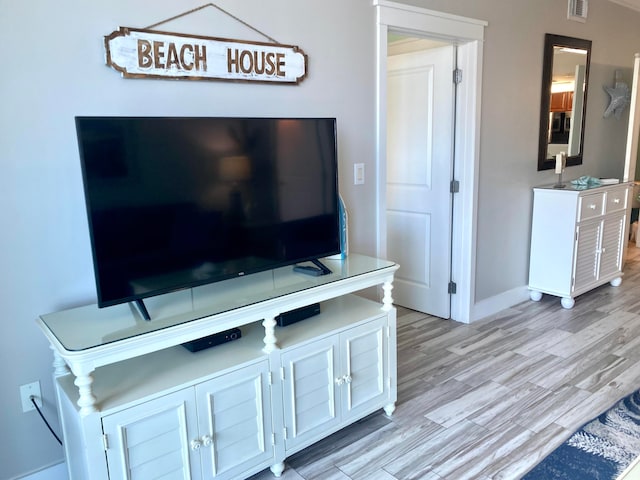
54	472
492	305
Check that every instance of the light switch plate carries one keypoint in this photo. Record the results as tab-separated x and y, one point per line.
358	173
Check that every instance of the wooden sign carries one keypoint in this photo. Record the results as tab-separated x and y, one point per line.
141	53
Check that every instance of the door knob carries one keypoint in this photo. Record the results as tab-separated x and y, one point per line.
207	441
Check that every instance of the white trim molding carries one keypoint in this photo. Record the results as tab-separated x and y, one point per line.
53	472
492	305
468	35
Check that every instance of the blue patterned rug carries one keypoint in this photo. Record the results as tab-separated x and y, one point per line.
601	450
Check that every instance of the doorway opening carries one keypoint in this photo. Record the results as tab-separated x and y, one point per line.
419	169
466	34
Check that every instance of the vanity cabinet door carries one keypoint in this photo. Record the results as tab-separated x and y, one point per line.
152	440
310	382
221	428
234	416
365	363
612	245
330	382
586	254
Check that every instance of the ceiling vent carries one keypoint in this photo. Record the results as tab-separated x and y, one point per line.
578	10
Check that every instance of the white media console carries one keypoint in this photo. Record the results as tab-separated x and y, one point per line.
135	404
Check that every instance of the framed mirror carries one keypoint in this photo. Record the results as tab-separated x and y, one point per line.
563	103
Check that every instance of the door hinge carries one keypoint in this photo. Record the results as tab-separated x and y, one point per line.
454	186
273	439
284	432
457	76
270	378
282	373
105	441
451	288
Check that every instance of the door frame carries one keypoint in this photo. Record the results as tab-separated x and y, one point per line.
468	35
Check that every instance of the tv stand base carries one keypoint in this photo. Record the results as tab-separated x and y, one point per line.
142	309
319	269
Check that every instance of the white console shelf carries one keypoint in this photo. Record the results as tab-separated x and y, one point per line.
135	404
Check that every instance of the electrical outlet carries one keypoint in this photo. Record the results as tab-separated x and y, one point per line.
26	392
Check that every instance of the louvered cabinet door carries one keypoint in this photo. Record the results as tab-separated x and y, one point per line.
364	361
587	255
234	415
612	245
310	380
152	440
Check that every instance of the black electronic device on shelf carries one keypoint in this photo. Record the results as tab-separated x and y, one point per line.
293	316
178	202
213	340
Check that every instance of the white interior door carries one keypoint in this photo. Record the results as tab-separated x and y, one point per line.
420	105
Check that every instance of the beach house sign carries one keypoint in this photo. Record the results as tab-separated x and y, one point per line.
143	53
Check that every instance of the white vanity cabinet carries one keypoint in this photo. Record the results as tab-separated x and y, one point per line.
577	239
134	404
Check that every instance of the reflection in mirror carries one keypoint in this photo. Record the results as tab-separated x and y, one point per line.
563	103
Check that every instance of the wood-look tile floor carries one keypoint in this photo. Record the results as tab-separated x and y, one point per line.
491	399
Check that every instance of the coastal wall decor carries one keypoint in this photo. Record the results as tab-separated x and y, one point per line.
149	53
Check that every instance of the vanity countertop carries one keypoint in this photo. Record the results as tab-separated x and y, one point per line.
568	186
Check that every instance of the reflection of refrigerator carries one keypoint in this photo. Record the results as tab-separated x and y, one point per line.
560	127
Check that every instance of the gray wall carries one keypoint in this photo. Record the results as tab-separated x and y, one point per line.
512	74
53	69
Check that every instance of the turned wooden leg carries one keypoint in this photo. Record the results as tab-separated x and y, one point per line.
567	302
60	368
270	340
86	402
389	409
387	299
535	295
277	469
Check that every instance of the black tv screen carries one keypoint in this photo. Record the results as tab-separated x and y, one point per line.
179	202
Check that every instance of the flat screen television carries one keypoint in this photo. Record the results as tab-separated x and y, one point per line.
178	202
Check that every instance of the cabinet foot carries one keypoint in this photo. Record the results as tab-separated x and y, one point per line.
389	409
567	303
535	295
277	469
616	282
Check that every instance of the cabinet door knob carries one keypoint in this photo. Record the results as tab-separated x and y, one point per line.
592	206
207	441
339	381
196	444
347	379
616	200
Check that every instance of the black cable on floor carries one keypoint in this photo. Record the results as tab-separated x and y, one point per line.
45	420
